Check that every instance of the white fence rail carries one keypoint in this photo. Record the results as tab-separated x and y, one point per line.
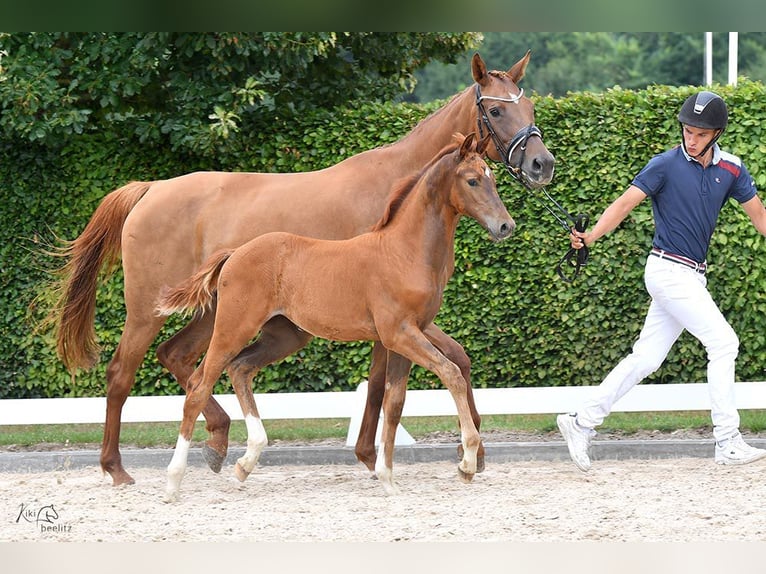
540	400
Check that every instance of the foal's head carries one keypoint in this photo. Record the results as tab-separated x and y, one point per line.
462	178
473	191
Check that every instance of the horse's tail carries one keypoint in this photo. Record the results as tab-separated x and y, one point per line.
196	292
97	247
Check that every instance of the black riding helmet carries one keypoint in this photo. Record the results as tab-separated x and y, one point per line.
704	110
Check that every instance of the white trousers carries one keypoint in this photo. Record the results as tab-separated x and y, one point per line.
680	300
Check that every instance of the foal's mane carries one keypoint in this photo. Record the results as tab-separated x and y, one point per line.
402	189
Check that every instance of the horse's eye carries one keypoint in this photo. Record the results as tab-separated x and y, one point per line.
473	182
494	112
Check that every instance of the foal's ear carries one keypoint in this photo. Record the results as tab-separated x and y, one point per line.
467	146
481	147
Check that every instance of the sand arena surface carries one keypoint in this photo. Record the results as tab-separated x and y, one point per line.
669	500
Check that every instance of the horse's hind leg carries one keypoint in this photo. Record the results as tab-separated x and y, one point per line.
454	352
179	355
136	337
376	386
397	372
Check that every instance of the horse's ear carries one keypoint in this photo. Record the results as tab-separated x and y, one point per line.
518	70
467	145
481	147
479	70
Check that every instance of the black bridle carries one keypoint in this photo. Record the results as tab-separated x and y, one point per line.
574	258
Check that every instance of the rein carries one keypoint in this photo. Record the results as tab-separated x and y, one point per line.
574	258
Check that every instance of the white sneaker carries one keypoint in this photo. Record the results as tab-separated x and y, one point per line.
578	439
737	451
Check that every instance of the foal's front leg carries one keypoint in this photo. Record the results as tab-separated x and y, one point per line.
413	344
454	351
397	372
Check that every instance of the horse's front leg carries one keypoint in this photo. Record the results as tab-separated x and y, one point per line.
257	440
454	352
397	372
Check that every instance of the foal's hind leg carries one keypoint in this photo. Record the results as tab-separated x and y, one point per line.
234	328
279	338
256	433
179	355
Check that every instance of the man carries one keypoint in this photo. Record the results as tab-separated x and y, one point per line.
688	186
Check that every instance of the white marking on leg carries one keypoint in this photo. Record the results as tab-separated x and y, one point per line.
177	468
470	456
256	442
384	473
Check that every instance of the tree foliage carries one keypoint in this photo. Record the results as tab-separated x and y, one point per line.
198	91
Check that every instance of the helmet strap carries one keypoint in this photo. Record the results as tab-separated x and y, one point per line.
707	147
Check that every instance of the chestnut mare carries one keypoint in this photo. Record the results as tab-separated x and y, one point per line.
165	229
385	286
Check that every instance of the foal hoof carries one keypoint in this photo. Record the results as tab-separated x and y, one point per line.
464	476
479	458
213	458
240	472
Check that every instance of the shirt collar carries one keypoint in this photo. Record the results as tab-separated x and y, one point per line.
716	154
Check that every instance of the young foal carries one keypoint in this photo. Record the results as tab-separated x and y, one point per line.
385	285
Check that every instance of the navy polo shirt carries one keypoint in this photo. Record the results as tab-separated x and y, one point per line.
687	198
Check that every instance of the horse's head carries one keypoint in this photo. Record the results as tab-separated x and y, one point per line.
474	191
509	118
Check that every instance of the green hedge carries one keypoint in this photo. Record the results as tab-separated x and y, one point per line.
519	322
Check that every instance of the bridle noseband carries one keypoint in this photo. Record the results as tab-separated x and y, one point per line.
575	258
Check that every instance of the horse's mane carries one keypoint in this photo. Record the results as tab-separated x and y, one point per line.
404	186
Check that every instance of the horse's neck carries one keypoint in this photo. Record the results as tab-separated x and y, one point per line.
434	132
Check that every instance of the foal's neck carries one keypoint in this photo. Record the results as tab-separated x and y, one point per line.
426	224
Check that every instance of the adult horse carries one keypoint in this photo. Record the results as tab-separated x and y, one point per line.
165	229
385	286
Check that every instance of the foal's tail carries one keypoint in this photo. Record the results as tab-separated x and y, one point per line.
97	247
196	292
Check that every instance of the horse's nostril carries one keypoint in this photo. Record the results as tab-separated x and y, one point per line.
505	230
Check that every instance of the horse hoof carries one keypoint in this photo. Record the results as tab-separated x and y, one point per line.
240	472
213	458
120	477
